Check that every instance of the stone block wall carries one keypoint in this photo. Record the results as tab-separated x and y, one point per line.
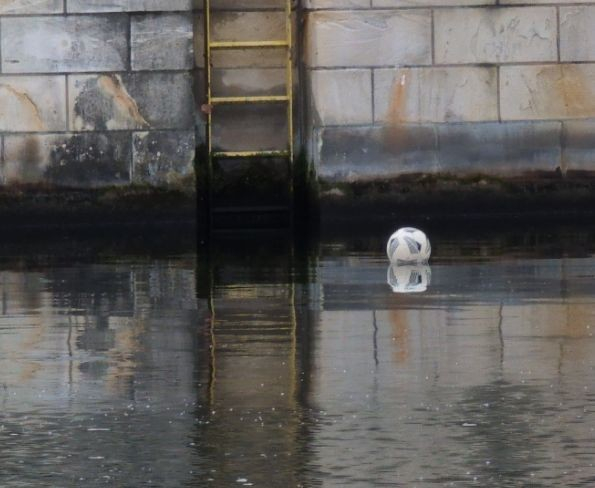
96	92
100	92
459	86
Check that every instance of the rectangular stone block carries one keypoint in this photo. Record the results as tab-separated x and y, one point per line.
62	44
27	157
368	38
161	42
70	160
163	158
342	97
418	95
504	35
248	26
257	127
246	58
166	100
563	91
93	6
36	7
32	103
248	82
578	145
512	148
351	154
577	33
355	153
245	4
542	2
240	26
131	101
432	3
346	4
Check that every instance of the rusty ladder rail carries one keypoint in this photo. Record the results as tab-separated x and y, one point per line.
213	101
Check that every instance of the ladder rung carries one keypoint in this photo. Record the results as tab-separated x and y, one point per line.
247	44
251	154
261	209
255	99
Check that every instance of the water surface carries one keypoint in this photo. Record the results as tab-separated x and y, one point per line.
262	362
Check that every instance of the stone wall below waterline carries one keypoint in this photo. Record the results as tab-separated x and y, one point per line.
97	92
505	88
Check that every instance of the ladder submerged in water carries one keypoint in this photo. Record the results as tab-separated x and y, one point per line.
213	101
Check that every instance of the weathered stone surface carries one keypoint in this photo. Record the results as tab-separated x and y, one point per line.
247	82
166	100
432	3
90	6
250	127
131	101
342	97
253	58
418	95
578	145
61	44
577	33
89	160
542	2
104	103
22	7
504	149
162	158
200	97
200	91
356	154
71	160
547	91
32	103
248	26
162	42
368	38
480	35
26	157
315	4
240	26
245	4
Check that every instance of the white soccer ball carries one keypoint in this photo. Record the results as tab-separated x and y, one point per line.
409	278
408	245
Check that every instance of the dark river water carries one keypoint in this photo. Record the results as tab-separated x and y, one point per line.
271	363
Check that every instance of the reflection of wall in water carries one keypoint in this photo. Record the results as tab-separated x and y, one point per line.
256	415
77	327
107	357
489	344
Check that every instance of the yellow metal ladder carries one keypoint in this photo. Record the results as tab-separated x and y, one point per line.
213	101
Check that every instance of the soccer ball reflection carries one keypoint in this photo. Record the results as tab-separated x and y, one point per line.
408	278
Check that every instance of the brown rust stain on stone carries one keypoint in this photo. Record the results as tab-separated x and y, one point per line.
396	134
29	106
574	90
112	86
396	111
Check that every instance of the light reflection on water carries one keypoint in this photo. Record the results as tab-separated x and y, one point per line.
263	365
